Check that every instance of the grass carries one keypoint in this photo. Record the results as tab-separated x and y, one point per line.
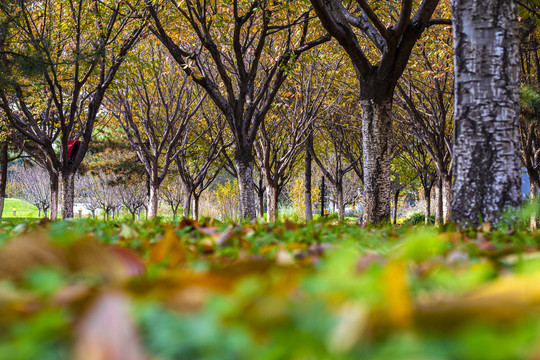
23	209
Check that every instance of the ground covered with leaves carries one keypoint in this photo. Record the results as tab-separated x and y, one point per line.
109	291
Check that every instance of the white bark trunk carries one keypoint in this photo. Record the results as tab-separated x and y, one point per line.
244	169
533	196
447	198
271	200
486	62
54	195
68	194
376	132
153	201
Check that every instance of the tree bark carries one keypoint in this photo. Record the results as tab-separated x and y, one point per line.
68	193
439	211
427	196
54	184
486	158
396	199
376	132
186	211
533	196
153	200
272	201
3	175
340	202
243	162
196	206
447	198
307	184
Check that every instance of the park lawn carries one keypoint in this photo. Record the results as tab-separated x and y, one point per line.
212	290
23	209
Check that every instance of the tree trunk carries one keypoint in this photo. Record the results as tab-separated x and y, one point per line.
271	200
427	196
186	211
3	175
376	132
196	206
340	202
307	184
39	212
396	199
533	196
439	211
447	198
243	163
261	204
153	200
68	194
486	158
54	185
45	212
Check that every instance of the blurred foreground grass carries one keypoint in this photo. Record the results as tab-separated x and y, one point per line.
90	290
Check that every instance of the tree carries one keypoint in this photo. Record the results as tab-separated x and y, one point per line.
389	49
34	187
133	196
155	108
59	58
240	52
486	148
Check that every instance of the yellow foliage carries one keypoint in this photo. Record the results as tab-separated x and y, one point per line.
297	195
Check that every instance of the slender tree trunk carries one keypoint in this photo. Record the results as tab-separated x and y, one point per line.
271	200
533	196
196	206
376	132
307	183
427	196
39	212
261	204
3	175
439	211
93	213
186	211
396	199
54	189
45	212
68	194
243	162
153	200
340	202
486	158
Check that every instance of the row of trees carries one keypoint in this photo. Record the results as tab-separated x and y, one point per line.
248	88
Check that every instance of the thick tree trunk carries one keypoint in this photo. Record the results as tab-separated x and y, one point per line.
153	200
486	158
307	183
54	186
376	132
243	163
68	194
533	196
186	211
3	175
427	211
272	201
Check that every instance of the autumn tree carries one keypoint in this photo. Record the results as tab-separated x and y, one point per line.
59	59
155	106
486	148
379	56
240	52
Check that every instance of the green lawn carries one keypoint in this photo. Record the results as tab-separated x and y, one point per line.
22	208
